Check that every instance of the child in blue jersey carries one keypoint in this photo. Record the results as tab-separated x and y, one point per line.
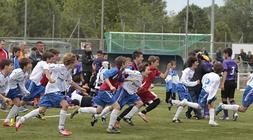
16	53
183	84
247	100
53	96
228	84
106	94
171	80
17	88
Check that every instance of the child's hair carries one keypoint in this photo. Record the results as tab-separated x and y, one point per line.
24	62
47	55
5	62
136	54
14	50
152	59
69	58
218	68
228	51
191	60
119	61
173	62
128	59
54	51
34	49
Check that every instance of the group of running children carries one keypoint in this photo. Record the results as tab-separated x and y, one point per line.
119	83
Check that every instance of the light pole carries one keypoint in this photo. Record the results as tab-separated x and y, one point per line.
212	28
186	29
25	25
101	47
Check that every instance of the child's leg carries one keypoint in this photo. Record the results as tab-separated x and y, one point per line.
114	115
14	110
33	113
63	114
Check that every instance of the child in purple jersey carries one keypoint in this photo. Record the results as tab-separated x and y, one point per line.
228	84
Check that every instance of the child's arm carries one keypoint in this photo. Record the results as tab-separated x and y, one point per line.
48	75
163	75
224	77
185	80
76	86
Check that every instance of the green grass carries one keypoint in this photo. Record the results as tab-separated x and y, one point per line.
159	127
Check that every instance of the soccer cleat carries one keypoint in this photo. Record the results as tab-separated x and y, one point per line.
40	117
113	130
117	125
18	125
218	109
170	104
7	124
225	118
213	123
129	121
75	112
93	120
143	116
65	132
103	119
176	121
235	116
188	115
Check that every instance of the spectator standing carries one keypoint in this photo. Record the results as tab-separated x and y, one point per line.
3	53
87	60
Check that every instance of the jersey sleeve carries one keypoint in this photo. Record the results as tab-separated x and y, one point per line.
185	79
225	66
110	73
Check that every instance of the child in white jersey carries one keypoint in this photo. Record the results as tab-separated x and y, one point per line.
53	96
17	88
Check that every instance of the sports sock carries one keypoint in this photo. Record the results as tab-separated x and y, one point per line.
230	107
150	107
132	112
90	110
14	110
104	112
63	115
179	110
124	113
211	116
225	111
113	118
175	102
30	115
193	105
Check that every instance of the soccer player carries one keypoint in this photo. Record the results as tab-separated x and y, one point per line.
17	88
106	94
147	96
34	83
16	51
228	84
247	100
6	68
185	82
171	80
210	86
53	96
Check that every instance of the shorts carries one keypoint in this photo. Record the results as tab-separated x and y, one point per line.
229	89
126	98
247	98
104	98
14	93
183	93
35	91
147	96
51	100
202	101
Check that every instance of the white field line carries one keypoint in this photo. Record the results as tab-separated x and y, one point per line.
51	116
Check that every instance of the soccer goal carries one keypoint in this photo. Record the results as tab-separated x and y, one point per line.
156	43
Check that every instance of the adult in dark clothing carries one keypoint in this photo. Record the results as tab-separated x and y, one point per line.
250	60
37	52
87	60
204	67
219	55
243	60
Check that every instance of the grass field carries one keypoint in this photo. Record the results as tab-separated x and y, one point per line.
160	127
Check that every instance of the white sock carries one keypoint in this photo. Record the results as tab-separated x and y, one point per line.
113	118
30	115
13	112
193	105
230	107
211	114
179	110
175	102
105	111
63	115
132	112
91	110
